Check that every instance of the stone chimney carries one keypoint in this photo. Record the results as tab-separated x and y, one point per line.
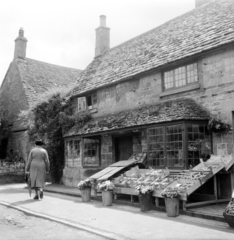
20	45
102	37
199	3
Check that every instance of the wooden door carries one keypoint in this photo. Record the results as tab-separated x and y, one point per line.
123	148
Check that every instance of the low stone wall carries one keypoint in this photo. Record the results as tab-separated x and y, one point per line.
73	175
9	167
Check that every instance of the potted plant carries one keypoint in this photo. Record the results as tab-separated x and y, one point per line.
218	126
106	188
171	198
85	187
145	196
229	213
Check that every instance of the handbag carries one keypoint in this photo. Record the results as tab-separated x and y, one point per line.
26	177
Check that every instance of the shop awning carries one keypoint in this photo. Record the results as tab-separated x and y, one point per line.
173	110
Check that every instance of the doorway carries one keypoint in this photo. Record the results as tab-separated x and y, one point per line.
123	148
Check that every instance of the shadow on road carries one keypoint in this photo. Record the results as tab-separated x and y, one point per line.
23	202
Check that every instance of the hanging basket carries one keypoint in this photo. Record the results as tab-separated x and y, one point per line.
229	219
145	201
107	198
86	194
172	206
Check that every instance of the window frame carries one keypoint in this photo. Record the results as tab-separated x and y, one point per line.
184	140
91	98
84	165
69	154
186	77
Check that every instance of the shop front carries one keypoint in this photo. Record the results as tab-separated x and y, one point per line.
172	135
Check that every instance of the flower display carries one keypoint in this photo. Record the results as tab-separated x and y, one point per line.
218	126
170	192
143	190
230	207
87	183
106	186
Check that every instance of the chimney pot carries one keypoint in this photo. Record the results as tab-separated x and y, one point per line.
102	21
102	37
20	45
21	32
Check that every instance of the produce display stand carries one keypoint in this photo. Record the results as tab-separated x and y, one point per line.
186	181
115	168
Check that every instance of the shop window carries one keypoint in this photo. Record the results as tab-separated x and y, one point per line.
72	152
174	146
76	152
156	147
181	76
166	146
91	152
198	144
88	102
178	146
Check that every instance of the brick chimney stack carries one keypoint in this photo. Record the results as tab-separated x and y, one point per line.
199	3
20	45
102	37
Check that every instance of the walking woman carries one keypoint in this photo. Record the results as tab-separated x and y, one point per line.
38	165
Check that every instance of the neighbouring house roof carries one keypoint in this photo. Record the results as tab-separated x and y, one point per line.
38	77
199	30
180	109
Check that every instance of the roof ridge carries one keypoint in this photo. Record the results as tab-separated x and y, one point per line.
52	64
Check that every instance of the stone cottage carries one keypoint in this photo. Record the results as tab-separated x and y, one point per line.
156	93
24	83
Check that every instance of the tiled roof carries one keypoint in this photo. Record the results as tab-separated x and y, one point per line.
201	29
180	109
39	77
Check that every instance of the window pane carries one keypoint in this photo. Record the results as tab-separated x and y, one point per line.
156	147
91	152
174	146
192	73
180	77
198	144
168	79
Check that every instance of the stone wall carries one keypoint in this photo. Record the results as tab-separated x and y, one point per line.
13	98
73	175
12	168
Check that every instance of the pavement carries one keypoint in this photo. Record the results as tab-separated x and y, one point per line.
120	222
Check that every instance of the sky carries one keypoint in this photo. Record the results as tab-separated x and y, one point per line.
62	32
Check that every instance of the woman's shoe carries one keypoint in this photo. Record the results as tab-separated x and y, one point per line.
36	197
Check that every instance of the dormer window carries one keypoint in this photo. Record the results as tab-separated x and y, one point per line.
181	76
87	103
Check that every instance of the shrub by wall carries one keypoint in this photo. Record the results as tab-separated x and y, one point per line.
52	118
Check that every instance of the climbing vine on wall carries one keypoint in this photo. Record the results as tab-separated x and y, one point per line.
52	118
5	128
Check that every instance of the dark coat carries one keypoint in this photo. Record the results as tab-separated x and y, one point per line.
38	164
